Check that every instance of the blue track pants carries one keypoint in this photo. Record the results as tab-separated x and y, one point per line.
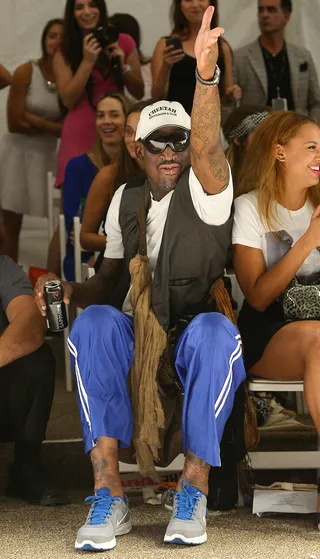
208	361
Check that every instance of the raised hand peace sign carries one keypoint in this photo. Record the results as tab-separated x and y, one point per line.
206	46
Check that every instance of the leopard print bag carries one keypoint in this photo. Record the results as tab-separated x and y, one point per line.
301	302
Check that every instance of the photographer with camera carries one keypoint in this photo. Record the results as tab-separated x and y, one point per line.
92	60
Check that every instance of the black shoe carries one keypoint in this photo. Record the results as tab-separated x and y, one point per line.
29	482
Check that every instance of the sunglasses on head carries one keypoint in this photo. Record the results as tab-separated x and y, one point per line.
157	142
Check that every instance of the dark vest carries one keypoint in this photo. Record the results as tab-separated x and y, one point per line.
192	254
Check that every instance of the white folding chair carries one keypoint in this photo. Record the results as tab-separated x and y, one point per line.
66	331
77	249
53	198
89	271
81	269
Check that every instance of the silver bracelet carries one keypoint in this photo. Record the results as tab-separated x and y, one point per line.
214	81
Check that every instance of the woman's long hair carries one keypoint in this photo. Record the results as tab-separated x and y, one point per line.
72	42
180	25
263	172
51	23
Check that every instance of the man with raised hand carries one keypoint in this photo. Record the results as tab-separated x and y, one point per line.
158	292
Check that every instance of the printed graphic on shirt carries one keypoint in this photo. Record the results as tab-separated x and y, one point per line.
278	245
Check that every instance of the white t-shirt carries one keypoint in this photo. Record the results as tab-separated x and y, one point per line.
212	210
249	230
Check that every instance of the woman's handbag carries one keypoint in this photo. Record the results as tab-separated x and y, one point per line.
301	302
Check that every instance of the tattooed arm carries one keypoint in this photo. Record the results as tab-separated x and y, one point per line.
207	157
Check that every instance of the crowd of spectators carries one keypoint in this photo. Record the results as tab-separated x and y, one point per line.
136	148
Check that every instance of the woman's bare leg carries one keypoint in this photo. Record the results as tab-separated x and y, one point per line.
12	227
293	353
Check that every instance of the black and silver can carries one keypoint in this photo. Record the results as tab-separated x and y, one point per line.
56	308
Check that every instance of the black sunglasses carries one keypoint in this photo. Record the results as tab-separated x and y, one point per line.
178	141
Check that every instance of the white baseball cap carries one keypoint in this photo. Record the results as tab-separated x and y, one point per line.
162	113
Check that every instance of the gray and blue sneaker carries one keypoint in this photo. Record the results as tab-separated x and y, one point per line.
188	522
108	517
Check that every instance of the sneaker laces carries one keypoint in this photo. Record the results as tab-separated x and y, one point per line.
186	503
101	508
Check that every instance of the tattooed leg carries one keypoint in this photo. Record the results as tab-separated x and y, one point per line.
105	463
196	472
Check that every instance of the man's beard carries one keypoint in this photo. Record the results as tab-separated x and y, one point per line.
163	187
168	183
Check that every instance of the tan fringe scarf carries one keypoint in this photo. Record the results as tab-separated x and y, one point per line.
150	342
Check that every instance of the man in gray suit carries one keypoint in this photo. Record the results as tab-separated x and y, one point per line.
274	73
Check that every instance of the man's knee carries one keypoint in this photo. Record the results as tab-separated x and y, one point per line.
96	319
214	326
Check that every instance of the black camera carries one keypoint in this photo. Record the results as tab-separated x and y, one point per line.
105	35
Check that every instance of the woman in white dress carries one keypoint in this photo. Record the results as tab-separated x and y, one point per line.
28	150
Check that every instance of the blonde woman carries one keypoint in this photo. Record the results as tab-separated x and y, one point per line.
107	153
276	236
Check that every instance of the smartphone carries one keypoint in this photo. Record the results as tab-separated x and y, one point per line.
175	41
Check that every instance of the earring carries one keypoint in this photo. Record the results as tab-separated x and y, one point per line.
282	158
